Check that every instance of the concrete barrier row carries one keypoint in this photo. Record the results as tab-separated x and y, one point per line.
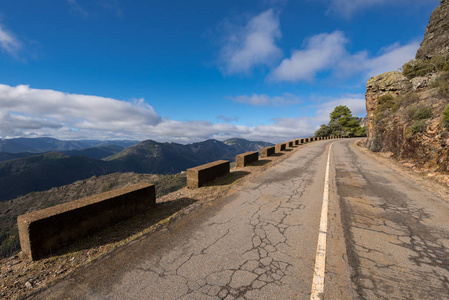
42	232
242	160
195	180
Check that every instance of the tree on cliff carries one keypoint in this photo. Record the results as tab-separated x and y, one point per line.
342	122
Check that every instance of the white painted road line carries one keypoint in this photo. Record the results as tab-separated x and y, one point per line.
320	260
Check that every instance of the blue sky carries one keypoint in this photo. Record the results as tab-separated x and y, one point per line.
186	71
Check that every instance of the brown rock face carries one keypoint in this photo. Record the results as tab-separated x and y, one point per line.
436	38
392	83
398	123
405	115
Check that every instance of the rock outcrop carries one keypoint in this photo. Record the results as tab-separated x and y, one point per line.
405	115
405	119
436	39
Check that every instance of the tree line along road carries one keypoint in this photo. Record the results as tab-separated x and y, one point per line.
385	238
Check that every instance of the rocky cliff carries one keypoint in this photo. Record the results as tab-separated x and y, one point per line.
406	113
436	38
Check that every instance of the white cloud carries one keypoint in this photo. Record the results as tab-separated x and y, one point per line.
347	8
24	110
326	52
322	51
90	8
75	7
284	129
264	100
8	42
112	5
227	119
356	103
391	59
253	45
28	112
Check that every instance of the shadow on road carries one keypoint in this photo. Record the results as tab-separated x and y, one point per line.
277	154
127	228
229	179
260	163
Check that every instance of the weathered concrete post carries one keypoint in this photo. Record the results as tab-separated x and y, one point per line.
198	176
280	147
244	159
267	151
42	232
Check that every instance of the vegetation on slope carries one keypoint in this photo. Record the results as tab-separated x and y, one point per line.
10	210
342	123
408	118
422	67
44	171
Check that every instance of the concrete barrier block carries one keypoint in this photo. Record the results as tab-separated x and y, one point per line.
267	151
280	147
244	159
198	176
289	144
43	231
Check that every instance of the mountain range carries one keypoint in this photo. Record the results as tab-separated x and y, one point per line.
46	144
21	173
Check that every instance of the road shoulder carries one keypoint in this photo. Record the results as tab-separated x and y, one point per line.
423	178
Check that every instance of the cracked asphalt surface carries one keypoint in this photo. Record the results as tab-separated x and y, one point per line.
387	239
397	233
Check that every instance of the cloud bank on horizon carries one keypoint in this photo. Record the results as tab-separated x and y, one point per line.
25	111
250	48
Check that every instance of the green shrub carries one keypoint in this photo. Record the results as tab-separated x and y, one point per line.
423	113
437	61
443	85
445	121
410	113
110	186
385	101
418	126
435	83
360	132
422	67
407	99
9	244
446	66
416	68
324	131
418	113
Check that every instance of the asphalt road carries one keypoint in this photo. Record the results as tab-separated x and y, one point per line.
387	238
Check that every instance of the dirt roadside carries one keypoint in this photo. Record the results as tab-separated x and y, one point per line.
435	182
